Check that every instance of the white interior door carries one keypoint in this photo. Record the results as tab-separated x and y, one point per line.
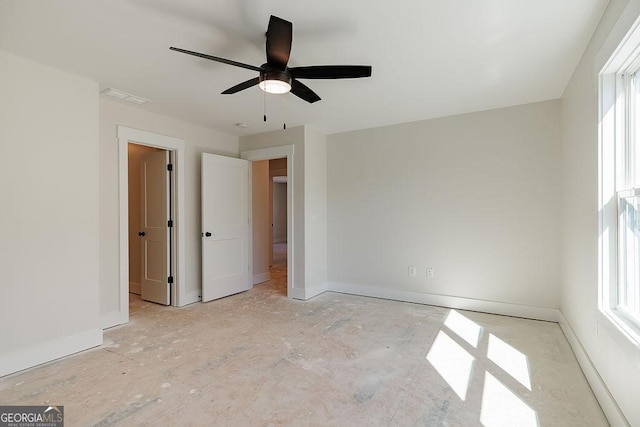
225	226
154	182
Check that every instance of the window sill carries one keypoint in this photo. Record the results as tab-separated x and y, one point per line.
622	330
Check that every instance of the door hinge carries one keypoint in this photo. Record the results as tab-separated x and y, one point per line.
170	223
169	167
170	279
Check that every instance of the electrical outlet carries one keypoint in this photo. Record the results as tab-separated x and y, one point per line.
429	273
412	271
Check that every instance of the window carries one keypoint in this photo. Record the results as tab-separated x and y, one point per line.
619	194
628	197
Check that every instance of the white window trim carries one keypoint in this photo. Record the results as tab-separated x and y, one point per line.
612	110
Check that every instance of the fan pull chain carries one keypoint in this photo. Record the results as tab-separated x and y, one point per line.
284	108
264	106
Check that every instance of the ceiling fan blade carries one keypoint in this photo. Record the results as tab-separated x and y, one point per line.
217	59
303	92
331	72
279	35
242	86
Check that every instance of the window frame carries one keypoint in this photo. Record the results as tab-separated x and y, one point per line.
615	107
621	309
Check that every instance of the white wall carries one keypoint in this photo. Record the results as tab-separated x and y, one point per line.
315	211
260	221
49	215
476	197
197	140
617	362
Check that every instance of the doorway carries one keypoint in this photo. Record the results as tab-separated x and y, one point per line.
176	146
285	152
269	223
278	211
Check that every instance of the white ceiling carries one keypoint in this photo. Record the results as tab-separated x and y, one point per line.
430	58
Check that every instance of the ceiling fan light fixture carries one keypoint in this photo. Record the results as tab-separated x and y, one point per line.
275	76
276	82
275	86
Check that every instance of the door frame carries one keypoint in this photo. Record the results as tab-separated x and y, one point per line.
128	135
279	152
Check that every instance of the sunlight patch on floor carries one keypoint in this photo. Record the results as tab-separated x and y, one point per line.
466	329
452	362
510	360
502	407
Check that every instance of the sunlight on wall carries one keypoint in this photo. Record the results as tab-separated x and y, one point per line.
466	329
452	362
510	360
605	266
608	151
502	407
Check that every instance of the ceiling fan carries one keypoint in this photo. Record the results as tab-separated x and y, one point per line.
275	76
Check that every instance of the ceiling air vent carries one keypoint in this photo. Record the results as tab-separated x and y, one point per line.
124	96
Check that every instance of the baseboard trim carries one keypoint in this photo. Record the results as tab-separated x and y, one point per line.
34	356
600	390
190	298
493	307
305	294
297	293
260	278
135	288
314	291
109	320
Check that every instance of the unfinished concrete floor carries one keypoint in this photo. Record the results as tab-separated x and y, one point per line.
260	359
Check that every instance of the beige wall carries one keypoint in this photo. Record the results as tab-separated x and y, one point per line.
278	167
197	140
476	197
49	216
260	220
279	212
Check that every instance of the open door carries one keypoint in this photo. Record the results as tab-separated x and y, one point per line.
155	256
225	226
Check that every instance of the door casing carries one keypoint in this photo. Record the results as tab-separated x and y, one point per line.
270	154
177	146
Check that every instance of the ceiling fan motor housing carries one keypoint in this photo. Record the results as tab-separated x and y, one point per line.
269	73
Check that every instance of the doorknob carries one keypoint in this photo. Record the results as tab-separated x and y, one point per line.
207	234
141	233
